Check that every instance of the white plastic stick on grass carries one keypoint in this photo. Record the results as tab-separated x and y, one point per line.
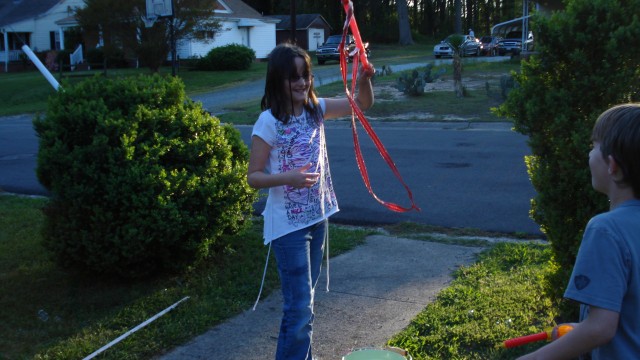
41	67
147	322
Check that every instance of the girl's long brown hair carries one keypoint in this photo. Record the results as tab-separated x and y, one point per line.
281	66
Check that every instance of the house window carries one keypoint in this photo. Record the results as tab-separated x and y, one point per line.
15	40
54	40
207	34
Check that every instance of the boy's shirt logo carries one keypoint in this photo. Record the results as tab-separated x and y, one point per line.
581	281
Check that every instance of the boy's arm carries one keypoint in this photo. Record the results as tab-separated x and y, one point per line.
596	330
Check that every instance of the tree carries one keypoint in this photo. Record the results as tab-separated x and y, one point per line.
403	23
109	24
588	61
123	28
456	42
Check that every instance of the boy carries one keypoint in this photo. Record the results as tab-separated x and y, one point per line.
606	275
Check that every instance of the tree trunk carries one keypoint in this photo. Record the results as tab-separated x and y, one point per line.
458	8
403	23
457	75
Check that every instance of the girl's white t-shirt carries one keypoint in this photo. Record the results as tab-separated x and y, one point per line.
294	145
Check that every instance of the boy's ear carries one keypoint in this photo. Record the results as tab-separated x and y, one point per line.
614	168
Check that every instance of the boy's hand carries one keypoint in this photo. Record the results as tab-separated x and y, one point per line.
561	330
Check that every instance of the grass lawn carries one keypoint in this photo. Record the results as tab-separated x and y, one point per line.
500	297
52	313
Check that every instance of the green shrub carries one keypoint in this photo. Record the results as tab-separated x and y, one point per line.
588	60
228	57
63	57
142	179
95	57
115	57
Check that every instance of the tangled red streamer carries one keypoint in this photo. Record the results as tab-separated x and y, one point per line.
360	56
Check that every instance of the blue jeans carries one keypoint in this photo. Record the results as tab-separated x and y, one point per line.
299	257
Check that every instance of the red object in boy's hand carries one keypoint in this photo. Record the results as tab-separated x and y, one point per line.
549	335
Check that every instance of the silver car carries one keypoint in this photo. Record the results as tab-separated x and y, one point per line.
470	46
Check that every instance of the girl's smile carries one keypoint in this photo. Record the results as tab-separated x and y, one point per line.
297	86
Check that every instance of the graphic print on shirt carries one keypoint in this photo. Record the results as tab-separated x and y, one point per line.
581	281
299	144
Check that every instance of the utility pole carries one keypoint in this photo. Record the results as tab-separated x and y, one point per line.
293	21
172	39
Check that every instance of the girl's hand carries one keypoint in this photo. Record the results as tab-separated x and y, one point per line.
300	178
366	72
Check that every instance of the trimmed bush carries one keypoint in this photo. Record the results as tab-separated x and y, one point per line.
64	57
142	179
228	57
588	61
95	57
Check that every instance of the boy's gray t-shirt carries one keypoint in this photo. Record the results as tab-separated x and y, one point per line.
607	275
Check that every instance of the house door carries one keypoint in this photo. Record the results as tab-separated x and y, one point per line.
245	37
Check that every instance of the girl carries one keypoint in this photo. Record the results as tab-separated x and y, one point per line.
289	156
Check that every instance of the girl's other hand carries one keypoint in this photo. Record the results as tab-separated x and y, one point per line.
300	178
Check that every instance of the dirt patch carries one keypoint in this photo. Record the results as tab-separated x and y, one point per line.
442	84
389	92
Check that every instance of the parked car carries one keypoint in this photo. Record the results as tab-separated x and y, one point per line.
512	43
489	45
329	50
470	46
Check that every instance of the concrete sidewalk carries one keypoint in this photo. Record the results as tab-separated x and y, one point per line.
375	291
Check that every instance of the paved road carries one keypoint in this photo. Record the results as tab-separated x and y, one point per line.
18	156
461	174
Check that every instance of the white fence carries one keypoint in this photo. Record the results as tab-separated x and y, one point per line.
14	55
76	57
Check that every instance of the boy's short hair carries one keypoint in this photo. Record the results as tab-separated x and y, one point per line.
618	132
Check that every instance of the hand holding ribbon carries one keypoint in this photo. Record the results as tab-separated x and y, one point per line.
360	56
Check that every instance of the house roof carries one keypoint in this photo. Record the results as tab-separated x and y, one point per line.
303	21
238	9
13	11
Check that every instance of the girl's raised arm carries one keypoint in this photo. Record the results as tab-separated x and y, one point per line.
340	107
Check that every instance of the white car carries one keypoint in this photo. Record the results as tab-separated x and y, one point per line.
470	46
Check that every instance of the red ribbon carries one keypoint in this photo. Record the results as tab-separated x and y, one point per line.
361	57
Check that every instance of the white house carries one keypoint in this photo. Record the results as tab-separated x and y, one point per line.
41	25
240	24
34	23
